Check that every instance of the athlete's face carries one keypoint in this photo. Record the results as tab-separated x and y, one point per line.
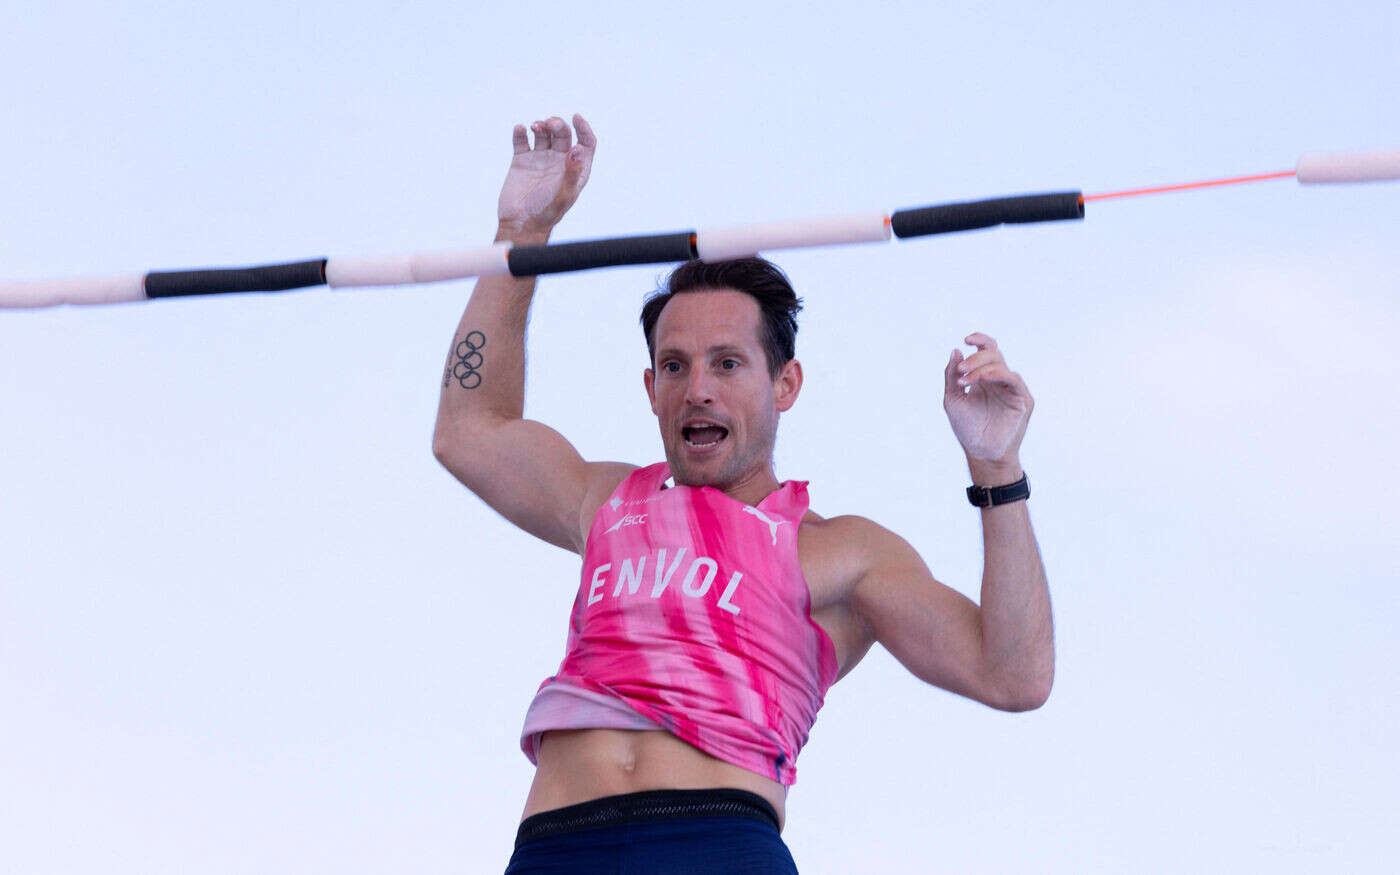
711	368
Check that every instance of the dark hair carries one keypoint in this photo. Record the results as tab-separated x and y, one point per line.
777	302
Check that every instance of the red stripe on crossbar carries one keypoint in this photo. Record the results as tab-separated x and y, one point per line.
1185	185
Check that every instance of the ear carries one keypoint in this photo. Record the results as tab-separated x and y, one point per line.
788	384
649	380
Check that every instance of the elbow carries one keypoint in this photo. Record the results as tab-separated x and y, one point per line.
449	448
451	441
442	445
465	452
1026	702
457	439
1026	696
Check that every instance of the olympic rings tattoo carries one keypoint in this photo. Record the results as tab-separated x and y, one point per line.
469	358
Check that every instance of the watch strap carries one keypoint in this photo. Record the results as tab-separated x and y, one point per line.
991	496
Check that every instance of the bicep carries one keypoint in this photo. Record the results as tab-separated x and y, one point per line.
531	475
931	628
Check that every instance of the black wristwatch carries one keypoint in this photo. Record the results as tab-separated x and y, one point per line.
991	496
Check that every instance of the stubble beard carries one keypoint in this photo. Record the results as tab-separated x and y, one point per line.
733	469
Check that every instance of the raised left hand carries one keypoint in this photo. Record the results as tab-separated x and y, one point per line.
987	403
544	182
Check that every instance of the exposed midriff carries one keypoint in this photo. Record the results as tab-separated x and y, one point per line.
577	765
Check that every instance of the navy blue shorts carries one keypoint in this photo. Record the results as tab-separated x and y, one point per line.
655	832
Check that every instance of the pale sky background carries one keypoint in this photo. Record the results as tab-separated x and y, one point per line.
249	625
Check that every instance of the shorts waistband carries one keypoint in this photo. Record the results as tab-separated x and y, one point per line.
646	805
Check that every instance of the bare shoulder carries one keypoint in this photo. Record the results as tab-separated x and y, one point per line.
603	478
853	539
837	552
851	549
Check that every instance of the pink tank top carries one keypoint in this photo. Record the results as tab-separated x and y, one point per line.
693	616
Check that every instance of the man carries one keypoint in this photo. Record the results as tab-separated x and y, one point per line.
715	609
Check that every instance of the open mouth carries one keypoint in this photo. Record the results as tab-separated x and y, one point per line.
704	437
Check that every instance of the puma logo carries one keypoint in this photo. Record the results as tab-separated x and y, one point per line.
772	524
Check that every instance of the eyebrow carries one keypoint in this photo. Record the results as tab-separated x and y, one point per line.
714	350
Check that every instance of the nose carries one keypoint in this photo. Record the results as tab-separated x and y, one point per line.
699	388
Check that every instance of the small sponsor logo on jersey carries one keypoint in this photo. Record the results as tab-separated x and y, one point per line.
615	502
633	501
631	519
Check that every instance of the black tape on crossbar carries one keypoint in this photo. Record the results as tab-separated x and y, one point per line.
267	278
611	252
941	219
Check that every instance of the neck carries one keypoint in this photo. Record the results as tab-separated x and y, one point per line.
754	488
750	490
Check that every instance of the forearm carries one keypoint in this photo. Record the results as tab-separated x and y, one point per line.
1017	630
484	377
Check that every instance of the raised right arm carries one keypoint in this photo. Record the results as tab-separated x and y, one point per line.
523	469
